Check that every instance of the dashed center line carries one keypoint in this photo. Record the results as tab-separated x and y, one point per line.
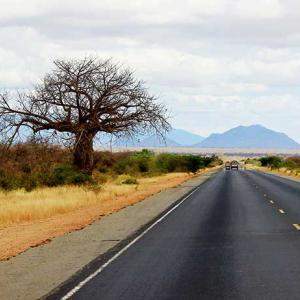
271	201
281	211
297	226
265	195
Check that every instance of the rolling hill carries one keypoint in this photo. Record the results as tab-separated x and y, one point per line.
174	138
184	138
254	136
155	141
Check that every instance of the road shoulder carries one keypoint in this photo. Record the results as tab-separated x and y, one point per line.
276	173
39	270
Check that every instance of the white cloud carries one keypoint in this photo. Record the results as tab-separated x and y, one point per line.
207	59
17	8
263	9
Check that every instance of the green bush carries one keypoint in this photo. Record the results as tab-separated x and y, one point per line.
122	166
293	162
137	162
166	162
65	174
7	183
184	163
142	160
193	163
272	161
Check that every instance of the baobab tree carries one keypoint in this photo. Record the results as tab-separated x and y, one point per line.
82	98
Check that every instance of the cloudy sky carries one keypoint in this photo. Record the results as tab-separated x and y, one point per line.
215	63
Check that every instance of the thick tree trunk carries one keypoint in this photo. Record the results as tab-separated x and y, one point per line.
83	152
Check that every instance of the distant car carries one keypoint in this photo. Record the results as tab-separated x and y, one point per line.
234	165
228	165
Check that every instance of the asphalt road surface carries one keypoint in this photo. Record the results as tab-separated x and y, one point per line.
235	237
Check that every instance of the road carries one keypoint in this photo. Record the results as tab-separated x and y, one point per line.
233	238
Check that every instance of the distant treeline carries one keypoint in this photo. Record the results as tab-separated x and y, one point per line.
33	165
277	162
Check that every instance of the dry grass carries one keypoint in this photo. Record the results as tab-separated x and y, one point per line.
20	206
281	171
32	219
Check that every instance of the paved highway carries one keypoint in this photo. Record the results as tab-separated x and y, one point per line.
235	237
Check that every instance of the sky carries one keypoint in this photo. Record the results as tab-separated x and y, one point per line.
216	64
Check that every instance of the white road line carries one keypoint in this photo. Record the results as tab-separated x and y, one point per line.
93	275
281	211
297	226
271	201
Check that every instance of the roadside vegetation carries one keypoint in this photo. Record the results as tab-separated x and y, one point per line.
29	219
18	206
30	166
289	165
70	105
39	180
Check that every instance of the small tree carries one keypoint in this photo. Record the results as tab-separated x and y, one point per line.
81	98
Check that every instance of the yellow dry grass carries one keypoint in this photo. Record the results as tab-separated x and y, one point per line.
21	206
281	171
31	219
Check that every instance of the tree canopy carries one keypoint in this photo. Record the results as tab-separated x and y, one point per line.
81	98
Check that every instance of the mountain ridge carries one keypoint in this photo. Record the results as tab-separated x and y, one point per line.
174	138
253	136
244	137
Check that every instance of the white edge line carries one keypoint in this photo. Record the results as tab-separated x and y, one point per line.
297	226
100	269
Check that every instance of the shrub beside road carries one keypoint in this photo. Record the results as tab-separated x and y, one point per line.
284	165
31	166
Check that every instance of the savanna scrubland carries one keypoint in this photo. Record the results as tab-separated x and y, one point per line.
40	180
286	165
43	195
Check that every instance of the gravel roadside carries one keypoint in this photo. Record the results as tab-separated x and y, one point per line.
36	272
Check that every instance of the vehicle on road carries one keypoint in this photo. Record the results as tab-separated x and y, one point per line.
234	165
228	165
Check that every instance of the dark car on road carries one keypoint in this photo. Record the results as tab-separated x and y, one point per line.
228	165
234	165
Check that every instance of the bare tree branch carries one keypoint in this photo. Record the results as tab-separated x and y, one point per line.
80	98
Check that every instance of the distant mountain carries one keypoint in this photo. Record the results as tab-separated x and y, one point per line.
255	136
155	141
184	137
174	138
